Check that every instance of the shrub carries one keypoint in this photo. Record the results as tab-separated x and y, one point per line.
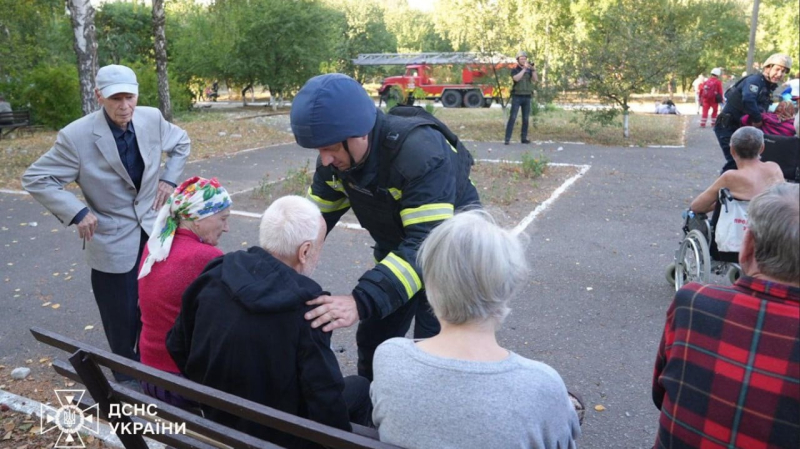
533	167
53	95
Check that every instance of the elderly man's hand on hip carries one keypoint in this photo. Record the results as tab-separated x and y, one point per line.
333	312
163	192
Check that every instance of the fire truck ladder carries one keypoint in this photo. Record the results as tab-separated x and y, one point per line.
430	58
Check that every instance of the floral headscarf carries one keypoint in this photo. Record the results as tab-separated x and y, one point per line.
195	199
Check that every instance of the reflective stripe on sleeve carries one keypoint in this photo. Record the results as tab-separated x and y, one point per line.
426	213
326	206
404	273
337	185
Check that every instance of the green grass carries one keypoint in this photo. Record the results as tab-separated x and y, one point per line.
295	182
488	125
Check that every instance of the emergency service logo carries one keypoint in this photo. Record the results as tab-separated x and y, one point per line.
69	419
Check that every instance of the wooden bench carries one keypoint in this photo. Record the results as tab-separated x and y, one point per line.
84	367
9	121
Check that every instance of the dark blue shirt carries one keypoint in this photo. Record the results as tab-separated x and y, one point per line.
128	150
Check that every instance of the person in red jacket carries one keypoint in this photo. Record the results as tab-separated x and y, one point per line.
183	241
708	94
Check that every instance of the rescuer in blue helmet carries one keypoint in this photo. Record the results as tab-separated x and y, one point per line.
402	173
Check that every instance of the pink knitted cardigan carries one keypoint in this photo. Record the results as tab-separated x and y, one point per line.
160	294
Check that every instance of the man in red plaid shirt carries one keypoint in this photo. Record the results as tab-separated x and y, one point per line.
727	372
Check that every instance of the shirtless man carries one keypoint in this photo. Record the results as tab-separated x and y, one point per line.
751	177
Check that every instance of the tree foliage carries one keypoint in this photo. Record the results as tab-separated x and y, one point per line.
364	31
414	30
32	32
124	32
53	94
270	42
609	48
778	30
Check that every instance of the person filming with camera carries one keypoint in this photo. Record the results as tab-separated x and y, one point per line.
523	75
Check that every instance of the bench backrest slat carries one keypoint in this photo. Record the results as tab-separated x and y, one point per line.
226	402
14	117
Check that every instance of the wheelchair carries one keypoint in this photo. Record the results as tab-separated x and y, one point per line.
698	257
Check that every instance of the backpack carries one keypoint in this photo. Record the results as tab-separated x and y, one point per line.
393	138
707	91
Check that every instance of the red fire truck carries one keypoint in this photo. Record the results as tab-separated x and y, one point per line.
478	87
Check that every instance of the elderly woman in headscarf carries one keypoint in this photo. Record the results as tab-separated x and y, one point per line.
184	239
778	123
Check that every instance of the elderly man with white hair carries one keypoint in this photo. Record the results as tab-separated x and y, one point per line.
727	373
460	388
241	329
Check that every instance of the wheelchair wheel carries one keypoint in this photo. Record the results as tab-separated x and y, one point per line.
670	273
693	263
734	273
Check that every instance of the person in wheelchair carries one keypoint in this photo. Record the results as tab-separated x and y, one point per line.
751	177
728	198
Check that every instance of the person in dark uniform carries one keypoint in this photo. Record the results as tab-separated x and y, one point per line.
523	75
752	95
401	179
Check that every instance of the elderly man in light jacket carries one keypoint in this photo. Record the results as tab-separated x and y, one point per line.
114	155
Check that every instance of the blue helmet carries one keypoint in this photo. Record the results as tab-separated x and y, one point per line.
330	109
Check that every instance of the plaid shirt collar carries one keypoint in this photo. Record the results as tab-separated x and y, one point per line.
767	289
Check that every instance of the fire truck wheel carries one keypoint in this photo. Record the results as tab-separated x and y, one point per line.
473	99
451	99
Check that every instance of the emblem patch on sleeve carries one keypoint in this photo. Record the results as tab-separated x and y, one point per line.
754	88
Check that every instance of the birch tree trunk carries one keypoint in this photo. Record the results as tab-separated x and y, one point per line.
751	50
85	45
626	129
160	40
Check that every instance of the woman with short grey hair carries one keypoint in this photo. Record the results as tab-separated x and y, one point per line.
461	389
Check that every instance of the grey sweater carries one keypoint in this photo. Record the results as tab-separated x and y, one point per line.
426	401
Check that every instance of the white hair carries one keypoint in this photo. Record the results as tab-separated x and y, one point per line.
287	223
471	268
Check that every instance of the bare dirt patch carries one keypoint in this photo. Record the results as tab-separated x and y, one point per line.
505	190
509	195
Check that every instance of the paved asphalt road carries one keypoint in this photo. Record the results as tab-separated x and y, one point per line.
593	308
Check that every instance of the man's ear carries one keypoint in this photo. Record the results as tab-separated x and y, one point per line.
99	96
761	150
303	252
747	254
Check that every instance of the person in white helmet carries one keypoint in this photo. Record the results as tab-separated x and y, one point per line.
711	96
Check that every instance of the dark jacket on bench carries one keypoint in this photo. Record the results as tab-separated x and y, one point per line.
241	330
